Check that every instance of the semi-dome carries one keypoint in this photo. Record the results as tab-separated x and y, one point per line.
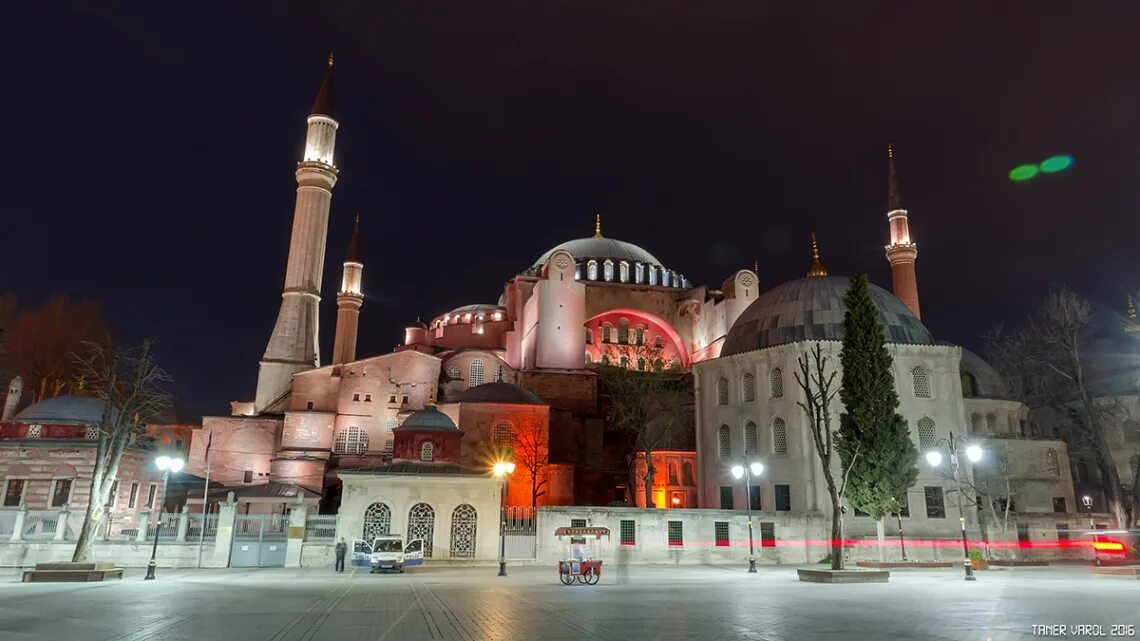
63	409
980	379
812	309
429	418
499	393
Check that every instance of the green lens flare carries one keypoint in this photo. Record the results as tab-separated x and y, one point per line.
1022	172
1053	164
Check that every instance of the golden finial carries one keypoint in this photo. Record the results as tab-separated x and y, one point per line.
330	59
357	218
890	151
597	225
1131	310
817	268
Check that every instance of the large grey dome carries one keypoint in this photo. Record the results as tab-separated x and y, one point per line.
980	378
499	393
65	409
601	248
812	309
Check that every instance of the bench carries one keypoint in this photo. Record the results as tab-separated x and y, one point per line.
72	572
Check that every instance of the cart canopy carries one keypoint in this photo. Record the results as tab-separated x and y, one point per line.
582	531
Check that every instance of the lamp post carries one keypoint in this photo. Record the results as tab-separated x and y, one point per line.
974	453
1087	501
502	470
738	471
166	464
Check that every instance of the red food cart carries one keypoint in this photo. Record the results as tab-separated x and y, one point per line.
583	561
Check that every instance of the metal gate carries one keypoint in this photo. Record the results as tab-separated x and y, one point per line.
520	532
259	541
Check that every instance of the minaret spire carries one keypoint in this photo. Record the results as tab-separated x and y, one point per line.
597	225
349	301
817	268
293	345
901	252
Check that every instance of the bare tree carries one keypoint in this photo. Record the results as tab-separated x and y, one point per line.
131	385
532	453
649	406
1045	363
817	382
43	341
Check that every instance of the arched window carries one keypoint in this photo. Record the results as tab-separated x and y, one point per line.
351	440
453	373
751	440
991	423
606	328
638	273
390	424
776	383
724	442
377	521
641	363
608	270
605	359
659	365
975	423
748	387
623	271
624	362
427	451
926	438
653	274
476	373
463	522
589	336
674	473
639	336
722	391
921	380
623	331
779	437
1051	462
421	525
592	270
658	342
1130	431
687	474
969	385
589	359
503	434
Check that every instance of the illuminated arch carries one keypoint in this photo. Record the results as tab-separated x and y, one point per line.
671	337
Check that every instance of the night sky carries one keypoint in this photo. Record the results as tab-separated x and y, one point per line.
150	148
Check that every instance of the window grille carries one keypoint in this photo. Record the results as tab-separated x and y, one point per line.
751	440
628	532
724	438
639	336
722	391
623	331
676	533
783	498
935	506
748	387
477	370
767	534
351	440
377	521
427	451
463	523
1052	463
502	434
921	381
390	424
779	437
674	477
776	383
926	439
687	474
421	525
720	529
34	431
606	332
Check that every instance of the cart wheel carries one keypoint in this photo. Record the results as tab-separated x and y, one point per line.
591	577
566	578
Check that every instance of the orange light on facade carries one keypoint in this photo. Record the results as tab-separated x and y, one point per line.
676	501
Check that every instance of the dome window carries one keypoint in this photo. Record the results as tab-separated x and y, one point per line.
427	452
623	271
592	270
638	273
608	270
653	274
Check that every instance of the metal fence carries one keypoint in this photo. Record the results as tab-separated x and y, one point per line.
320	528
39	525
166	524
520	533
194	529
121	526
7	523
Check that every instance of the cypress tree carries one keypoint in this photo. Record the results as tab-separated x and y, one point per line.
873	440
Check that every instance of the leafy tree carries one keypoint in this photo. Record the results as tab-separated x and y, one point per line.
132	387
43	341
886	465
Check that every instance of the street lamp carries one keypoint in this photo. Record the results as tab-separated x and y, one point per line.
502	470
1087	501
754	469
166	464
974	454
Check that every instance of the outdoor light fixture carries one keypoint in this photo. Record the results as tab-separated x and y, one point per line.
501	470
755	468
974	453
166	465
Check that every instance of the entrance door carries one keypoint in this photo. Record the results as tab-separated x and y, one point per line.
259	541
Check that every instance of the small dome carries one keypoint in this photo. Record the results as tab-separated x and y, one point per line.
600	248
812	309
429	418
63	409
416	325
499	393
987	383
478	307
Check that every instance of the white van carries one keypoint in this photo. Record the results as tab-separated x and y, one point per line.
388	552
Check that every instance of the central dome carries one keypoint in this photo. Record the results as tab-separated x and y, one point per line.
601	248
812	309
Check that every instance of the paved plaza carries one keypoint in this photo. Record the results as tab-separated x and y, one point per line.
469	604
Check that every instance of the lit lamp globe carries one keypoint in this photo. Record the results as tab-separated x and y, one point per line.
756	468
169	464
974	453
737	471
934	457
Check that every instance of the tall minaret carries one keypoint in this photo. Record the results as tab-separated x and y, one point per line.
12	400
293	345
901	253
348	301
